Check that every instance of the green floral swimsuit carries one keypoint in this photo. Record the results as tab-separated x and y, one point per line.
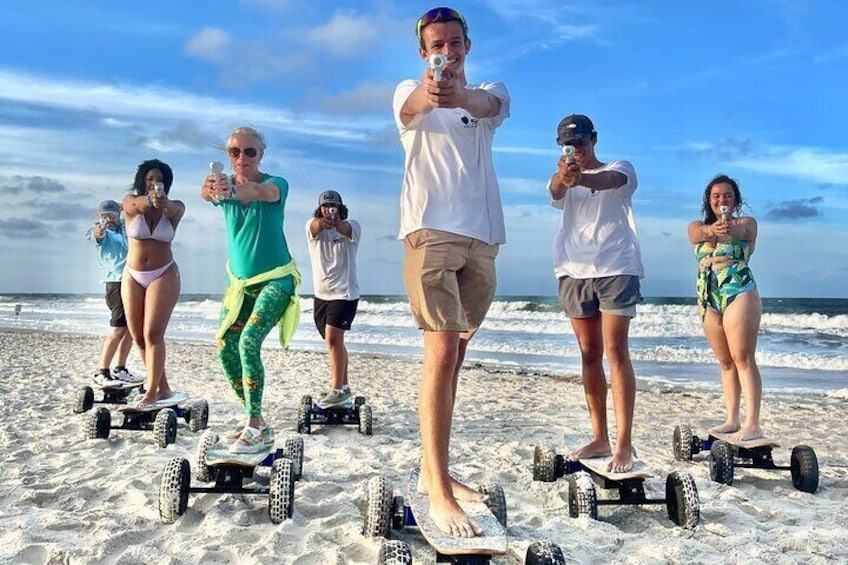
719	287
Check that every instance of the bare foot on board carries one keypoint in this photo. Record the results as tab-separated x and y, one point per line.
595	448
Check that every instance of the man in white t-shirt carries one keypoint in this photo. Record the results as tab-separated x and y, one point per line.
598	264
451	223
333	240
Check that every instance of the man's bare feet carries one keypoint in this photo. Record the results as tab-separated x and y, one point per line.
748	432
450	518
460	491
622	460
728	427
595	448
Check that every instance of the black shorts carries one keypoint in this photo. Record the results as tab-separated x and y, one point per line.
116	305
336	313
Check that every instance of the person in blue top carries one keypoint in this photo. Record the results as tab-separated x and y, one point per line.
263	277
109	236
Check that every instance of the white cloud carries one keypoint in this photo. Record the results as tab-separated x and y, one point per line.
346	35
209	44
168	105
364	97
807	163
837	54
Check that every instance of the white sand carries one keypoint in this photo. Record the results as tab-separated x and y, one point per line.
65	500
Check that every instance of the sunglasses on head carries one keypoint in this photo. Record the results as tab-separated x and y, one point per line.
439	15
250	152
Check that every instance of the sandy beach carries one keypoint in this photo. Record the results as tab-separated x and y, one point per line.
67	500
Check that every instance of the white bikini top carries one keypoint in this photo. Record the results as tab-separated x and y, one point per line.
163	231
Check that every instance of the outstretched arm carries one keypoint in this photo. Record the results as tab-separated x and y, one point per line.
250	191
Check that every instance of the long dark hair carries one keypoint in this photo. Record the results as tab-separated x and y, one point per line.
342	212
139	187
706	209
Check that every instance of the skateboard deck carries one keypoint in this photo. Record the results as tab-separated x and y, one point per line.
492	542
748	443
220	455
176	398
599	465
118	385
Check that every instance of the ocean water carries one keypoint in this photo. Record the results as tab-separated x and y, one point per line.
803	343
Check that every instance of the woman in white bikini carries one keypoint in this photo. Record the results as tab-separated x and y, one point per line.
151	283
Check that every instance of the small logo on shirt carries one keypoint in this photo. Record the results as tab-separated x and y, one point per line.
468	122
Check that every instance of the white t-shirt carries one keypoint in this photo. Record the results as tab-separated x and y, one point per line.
596	235
333	258
449	181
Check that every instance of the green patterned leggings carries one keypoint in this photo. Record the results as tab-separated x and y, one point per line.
239	351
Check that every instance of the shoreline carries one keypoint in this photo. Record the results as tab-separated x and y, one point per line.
64	499
650	375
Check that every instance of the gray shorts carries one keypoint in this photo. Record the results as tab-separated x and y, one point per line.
584	298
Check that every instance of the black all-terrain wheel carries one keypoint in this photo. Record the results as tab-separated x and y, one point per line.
682	443
293	450
721	462
378	507
395	552
281	491
398	513
165	427
366	421
496	502
304	415
544	463
357	402
98	424
804	466
582	498
681	500
198	415
544	553
204	473
173	489
84	400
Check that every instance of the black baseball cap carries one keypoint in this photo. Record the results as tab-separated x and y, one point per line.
330	197
576	128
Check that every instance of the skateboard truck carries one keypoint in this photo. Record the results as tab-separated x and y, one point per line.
286	465
310	414
681	493
385	512
725	455
162	421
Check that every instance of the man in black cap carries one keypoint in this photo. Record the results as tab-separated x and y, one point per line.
333	240
109	236
598	265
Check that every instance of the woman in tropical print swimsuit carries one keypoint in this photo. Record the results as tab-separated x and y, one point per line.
729	302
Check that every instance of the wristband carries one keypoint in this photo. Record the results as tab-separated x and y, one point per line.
149	200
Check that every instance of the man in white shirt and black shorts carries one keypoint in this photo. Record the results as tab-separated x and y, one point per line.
333	240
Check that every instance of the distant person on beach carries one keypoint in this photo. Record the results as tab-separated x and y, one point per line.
451	223
109	236
333	240
598	264
263	277
151	282
728	301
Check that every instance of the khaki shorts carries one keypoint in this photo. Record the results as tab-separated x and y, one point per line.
584	298
450	280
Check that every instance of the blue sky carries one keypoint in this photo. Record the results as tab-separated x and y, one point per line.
754	89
